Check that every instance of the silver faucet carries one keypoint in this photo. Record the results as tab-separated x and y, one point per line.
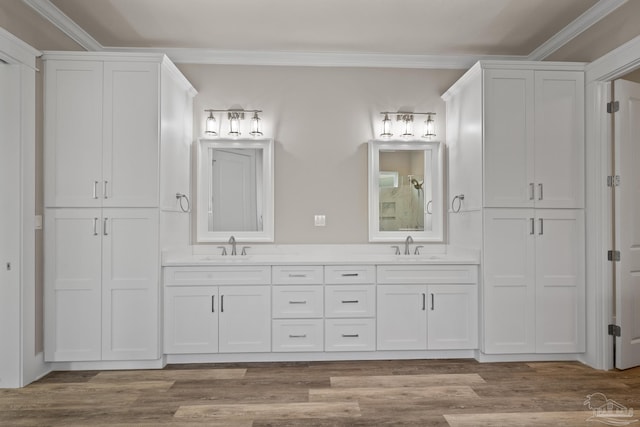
408	240
232	241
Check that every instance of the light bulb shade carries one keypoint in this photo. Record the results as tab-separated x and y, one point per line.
407	123
255	125
386	127
429	127
234	124
210	125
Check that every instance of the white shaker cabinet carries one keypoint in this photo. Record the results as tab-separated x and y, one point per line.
102	127
427	308
245	319
533	138
534	287
191	319
102	284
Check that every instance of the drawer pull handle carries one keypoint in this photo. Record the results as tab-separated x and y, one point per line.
297	302
298	336
349	274
297	275
350	301
350	335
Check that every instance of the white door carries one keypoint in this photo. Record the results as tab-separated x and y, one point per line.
10	226
73	134
559	139
131	135
627	219
560	281
130	284
245	319
508	138
402	317
509	281
452	317
73	330
233	190
191	319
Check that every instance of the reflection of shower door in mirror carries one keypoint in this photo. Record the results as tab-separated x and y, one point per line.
233	190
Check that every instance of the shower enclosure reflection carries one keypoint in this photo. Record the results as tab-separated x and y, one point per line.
235	190
405	190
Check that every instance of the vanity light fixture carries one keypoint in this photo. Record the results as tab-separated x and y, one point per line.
406	117
235	116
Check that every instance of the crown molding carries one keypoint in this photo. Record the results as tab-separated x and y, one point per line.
54	15
326	59
315	59
594	14
15	51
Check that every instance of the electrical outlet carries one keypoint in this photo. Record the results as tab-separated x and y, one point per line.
319	220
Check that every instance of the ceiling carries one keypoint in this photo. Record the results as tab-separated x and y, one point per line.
402	31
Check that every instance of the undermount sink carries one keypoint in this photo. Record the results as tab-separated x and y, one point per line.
226	259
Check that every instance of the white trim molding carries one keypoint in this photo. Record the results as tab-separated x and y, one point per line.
65	24
14	50
593	15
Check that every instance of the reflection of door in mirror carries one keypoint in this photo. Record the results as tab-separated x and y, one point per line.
403	190
235	190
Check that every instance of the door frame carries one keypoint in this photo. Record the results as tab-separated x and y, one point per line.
31	364
599	74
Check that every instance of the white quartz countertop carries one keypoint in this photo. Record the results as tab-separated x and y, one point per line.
317	255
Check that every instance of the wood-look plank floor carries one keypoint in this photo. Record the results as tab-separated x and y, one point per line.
356	393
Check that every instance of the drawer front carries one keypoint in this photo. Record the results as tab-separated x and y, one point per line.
297	301
350	335
345	274
241	275
298	275
427	274
350	300
298	335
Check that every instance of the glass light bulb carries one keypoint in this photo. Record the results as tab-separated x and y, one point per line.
210	125
429	127
234	124
255	125
386	127
408	125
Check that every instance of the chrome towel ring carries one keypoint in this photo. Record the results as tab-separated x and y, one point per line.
180	197
459	198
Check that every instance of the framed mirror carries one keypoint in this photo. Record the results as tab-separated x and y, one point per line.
235	190
405	191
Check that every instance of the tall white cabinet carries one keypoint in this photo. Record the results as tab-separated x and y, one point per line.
110	195
515	134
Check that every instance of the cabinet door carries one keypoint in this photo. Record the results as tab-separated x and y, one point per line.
131	134
452	319
245	319
130	284
508	138
560	281
509	281
559	139
402	317
72	285
73	133
191	319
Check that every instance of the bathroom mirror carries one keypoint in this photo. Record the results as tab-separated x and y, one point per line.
235	190
405	191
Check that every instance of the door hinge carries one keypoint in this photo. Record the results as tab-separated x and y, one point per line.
613	181
614	330
613	255
613	107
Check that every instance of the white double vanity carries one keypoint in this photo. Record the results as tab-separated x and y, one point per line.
497	276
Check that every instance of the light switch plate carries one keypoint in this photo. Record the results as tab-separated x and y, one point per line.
319	220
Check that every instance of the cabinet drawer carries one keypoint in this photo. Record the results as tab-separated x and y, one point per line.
427	274
297	301
298	335
350	300
350	335
339	274
297	275
241	275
